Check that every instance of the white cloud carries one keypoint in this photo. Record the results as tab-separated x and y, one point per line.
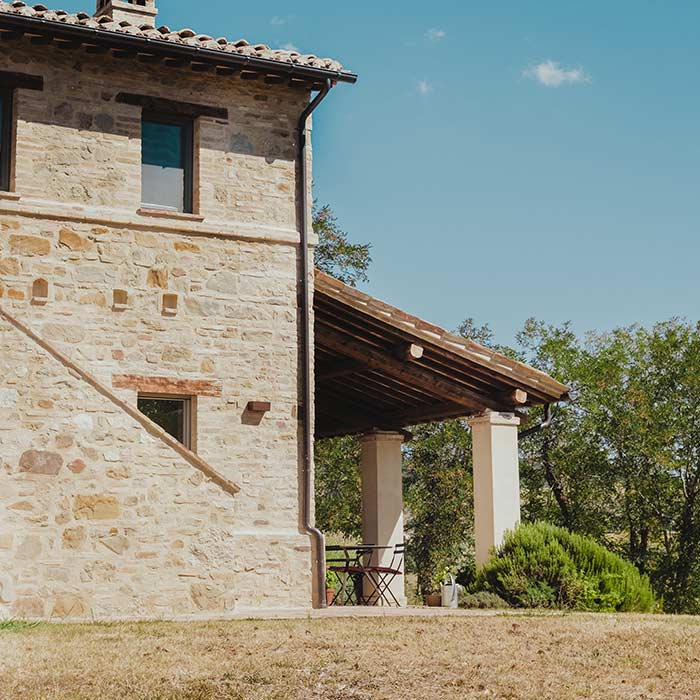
424	87
435	35
551	74
288	46
278	21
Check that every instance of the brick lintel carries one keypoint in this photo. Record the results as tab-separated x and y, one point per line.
166	385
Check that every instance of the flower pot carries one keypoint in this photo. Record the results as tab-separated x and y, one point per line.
433	600
330	594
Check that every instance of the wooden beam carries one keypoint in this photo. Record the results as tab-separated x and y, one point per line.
382	361
67	45
409	351
300	83
431	414
148	58
259	406
21	80
226	70
160	104
512	397
396	391
175	62
341	421
123	53
342	368
96	49
39	39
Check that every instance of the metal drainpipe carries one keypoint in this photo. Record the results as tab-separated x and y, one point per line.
317	538
548	418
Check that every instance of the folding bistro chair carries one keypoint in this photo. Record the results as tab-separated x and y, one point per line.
383	576
349	569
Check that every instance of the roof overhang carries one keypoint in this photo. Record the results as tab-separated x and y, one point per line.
378	367
149	50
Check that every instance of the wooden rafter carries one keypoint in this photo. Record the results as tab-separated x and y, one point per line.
379	368
376	358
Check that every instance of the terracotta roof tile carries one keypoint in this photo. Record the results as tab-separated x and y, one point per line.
184	36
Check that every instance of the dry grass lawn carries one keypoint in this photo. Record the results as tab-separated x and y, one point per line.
525	657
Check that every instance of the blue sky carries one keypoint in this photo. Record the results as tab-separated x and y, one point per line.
505	158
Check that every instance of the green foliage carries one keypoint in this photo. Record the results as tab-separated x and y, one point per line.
332	580
544	566
622	461
335	254
482	600
338	487
438	496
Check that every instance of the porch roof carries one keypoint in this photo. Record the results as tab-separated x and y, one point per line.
378	367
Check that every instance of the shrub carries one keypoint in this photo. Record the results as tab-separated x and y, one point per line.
482	600
544	566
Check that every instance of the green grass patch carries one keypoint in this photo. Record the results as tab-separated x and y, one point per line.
17	625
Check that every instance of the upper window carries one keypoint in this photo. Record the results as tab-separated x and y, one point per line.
5	138
166	162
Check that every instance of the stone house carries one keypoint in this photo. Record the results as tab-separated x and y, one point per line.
157	335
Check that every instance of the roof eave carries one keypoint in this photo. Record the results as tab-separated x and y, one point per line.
164	49
540	386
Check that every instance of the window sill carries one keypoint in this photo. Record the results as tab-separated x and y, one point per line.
10	196
169	214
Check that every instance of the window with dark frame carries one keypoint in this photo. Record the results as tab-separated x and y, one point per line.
173	414
5	138
167	162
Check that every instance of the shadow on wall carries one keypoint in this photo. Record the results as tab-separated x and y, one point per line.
259	129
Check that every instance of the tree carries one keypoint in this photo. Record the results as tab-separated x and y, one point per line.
623	459
438	494
338	489
335	254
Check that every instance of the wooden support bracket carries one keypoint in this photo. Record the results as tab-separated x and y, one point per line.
259	406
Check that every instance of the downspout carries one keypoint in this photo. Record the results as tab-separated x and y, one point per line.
317	539
548	418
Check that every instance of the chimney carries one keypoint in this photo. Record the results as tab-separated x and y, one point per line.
136	12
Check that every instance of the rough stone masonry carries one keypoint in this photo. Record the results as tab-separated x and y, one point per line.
100	518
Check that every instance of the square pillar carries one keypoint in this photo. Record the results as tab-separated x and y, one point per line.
496	480
382	500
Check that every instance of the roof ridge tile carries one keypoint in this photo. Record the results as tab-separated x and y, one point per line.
185	35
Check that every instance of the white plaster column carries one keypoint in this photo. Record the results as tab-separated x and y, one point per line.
382	499
496	480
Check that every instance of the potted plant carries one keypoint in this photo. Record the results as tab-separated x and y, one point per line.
331	590
434	598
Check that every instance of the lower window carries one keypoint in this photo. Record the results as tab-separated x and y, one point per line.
173	414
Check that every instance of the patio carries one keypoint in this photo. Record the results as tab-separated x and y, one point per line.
380	370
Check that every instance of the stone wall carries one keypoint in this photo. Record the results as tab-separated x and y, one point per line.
97	517
77	144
